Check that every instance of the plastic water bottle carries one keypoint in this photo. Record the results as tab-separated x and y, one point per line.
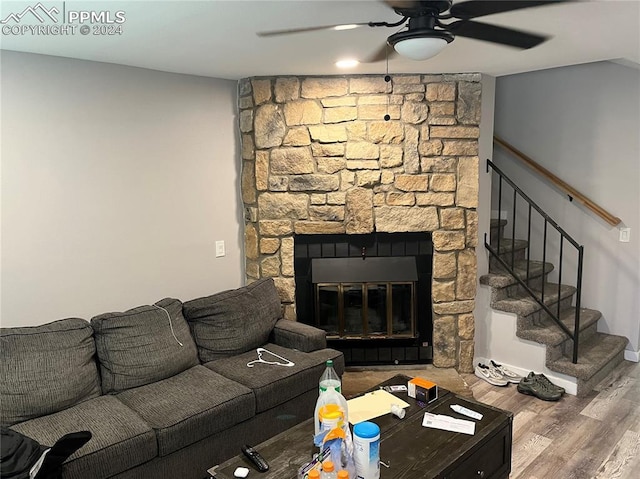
328	471
330	379
336	402
342	474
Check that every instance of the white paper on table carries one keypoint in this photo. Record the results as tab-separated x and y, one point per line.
448	423
373	404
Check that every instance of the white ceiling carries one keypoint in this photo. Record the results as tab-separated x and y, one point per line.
218	38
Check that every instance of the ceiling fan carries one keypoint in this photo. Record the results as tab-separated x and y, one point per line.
426	34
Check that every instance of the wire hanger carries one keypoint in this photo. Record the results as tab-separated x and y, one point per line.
285	362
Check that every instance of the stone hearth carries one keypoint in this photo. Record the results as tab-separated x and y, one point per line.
318	157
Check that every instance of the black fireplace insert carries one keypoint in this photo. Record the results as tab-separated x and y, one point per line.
365	298
370	293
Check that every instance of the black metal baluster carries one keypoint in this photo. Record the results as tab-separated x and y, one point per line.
544	257
499	212
578	302
529	245
560	273
513	231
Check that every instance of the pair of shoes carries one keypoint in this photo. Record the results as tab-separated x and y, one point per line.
507	374
490	375
539	386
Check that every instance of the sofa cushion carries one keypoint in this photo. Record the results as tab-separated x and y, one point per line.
143	345
233	322
120	439
190	406
273	384
35	366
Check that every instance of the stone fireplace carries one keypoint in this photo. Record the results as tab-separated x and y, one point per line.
360	155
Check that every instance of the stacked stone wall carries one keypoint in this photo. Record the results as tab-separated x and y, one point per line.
318	157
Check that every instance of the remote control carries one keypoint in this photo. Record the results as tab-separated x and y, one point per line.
255	457
466	412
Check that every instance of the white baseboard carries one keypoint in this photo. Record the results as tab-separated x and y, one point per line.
632	356
569	384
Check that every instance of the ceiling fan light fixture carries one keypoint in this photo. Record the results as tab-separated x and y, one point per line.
420	44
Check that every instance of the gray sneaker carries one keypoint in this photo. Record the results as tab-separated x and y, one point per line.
533	386
543	379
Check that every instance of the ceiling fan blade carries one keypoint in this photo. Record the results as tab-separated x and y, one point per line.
344	26
481	8
384	52
495	34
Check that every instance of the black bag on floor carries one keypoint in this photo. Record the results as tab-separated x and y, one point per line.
19	455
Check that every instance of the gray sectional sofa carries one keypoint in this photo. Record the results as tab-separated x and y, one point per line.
167	390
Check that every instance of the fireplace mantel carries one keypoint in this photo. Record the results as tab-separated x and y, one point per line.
319	158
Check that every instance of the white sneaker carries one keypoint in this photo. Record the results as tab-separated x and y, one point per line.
489	375
507	374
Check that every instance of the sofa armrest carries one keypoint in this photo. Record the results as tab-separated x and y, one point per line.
300	336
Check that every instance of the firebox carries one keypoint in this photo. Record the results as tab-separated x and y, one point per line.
370	293
365	298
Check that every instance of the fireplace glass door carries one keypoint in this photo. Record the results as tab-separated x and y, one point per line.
366	310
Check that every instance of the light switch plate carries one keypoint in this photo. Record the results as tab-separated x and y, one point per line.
625	235
220	249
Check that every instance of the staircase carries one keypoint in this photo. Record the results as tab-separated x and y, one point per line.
599	353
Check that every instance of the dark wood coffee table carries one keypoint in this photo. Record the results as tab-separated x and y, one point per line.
411	450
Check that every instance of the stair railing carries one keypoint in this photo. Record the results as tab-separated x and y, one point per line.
539	297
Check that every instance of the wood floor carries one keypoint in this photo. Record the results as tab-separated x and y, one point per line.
595	437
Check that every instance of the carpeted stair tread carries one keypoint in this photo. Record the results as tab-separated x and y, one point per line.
593	356
549	333
524	305
504	279
507	245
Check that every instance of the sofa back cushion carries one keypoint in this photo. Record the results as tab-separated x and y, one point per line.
143	345
45	369
235	321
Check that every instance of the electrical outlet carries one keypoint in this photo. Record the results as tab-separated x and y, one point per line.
625	235
220	249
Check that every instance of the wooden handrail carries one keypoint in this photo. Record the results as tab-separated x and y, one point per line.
568	189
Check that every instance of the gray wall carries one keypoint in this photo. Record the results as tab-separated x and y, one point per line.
582	123
116	183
